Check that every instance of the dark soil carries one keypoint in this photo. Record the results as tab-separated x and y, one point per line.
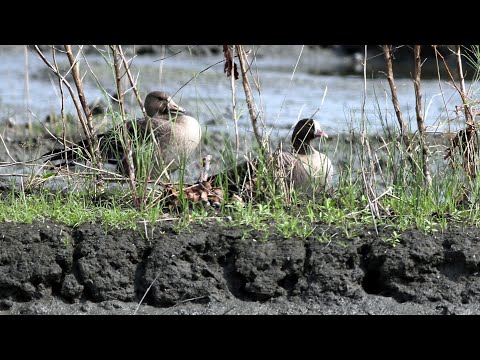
48	268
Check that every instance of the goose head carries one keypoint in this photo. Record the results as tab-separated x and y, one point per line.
159	102
305	131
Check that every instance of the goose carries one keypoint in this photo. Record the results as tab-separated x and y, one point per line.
176	134
303	168
317	165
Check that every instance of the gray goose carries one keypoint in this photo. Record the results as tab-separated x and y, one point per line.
176	134
303	168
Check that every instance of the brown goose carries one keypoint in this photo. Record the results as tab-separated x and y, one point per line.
176	134
303	168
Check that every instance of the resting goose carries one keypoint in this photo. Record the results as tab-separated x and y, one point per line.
303	168
176	134
316	164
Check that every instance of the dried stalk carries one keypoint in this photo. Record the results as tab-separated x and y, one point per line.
6	149
465	139
128	144
62	105
88	126
468	113
234	111
132	81
418	110
85	123
67	84
472	136
393	89
368	175
27	88
89	129
140	103
246	87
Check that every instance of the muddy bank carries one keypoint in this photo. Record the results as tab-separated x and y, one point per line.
48	268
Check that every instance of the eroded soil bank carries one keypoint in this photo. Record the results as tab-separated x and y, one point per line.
48	268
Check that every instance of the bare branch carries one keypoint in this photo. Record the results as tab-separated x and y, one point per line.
67	84
62	108
246	87
88	126
468	114
418	110
27	87
403	126
132	81
127	142
229	67
368	174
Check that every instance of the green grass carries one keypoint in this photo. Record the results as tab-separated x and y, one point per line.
72	209
407	204
403	199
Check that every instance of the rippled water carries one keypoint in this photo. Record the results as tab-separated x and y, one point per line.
284	95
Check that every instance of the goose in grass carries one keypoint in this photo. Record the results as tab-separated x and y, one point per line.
316	164
173	135
302	168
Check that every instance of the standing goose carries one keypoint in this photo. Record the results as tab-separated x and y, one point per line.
176	134
303	168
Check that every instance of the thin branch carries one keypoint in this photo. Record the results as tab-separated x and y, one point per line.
234	111
418	110
175	54
92	139
132	81
393	89
367	155
289	84
6	149
62	105
86	124
140	103
126	140
468	114
67	84
146	292
460	68
246	87
78	84
27	88
465	139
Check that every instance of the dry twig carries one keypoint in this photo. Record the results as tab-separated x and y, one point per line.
246	87
466	139
418	110
393	88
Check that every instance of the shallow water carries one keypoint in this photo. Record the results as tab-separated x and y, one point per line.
284	95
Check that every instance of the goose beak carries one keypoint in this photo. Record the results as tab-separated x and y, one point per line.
320	133
173	107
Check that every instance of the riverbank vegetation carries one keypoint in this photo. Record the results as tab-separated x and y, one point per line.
400	178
